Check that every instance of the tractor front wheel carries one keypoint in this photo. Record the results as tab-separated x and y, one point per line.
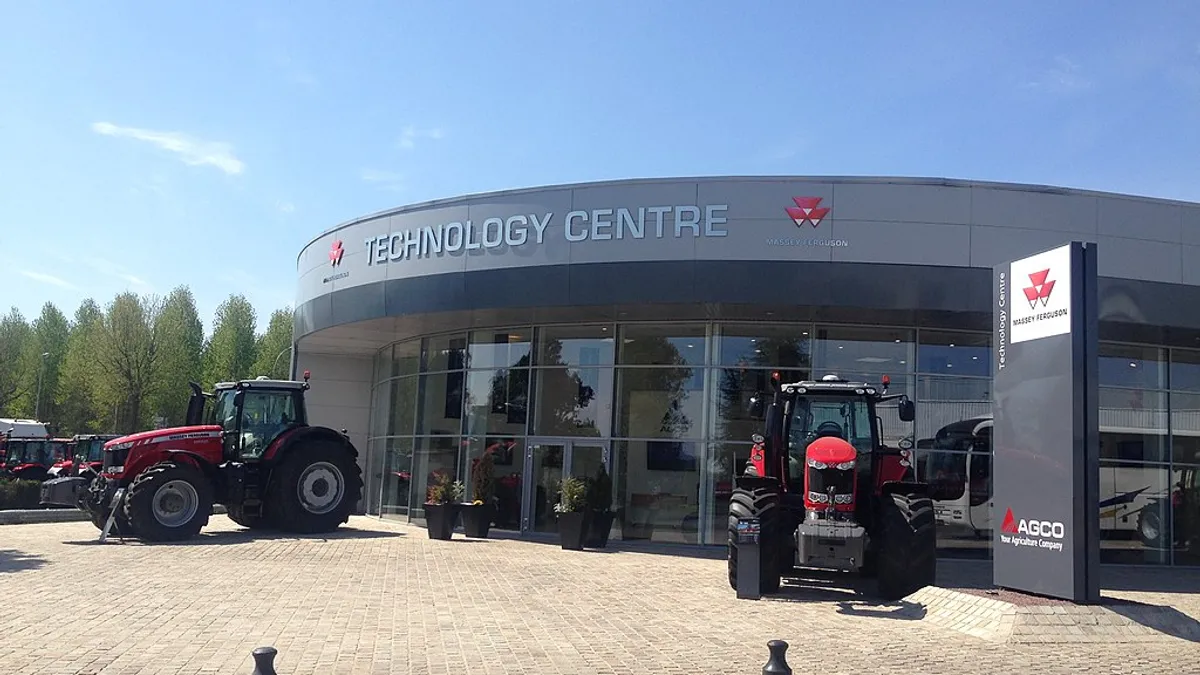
906	558
170	501
315	489
761	503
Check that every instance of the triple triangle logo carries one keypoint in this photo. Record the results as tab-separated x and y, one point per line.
1010	524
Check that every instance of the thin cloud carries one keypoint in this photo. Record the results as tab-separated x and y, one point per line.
1064	76
116	271
286	207
49	279
410	134
388	180
193	151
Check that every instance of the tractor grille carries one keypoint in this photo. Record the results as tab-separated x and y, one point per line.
114	457
821	482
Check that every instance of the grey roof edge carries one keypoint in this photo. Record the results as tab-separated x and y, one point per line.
790	178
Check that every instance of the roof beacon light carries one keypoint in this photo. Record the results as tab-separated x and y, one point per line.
886	381
307	375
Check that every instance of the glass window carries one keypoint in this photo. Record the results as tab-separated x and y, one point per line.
382	365
575	346
845	348
430	456
657	490
1133	425
954	353
731	418
662	345
445	352
406	358
573	402
845	418
508	454
949	401
1185	428
765	346
265	415
373	474
1184	506
660	402
497	401
725	461
381	411
1134	517
402	401
1132	366
500	348
1185	370
441	403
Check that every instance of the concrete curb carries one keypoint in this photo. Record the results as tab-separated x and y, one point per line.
35	516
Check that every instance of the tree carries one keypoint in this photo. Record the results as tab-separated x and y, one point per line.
230	353
749	377
179	335
128	353
273	346
16	342
50	334
77	406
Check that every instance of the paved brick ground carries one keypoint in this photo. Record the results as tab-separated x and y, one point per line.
383	598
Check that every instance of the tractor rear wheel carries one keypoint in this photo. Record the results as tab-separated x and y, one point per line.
170	501
761	503
315	489
905	560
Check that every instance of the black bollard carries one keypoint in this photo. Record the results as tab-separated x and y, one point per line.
777	664
264	660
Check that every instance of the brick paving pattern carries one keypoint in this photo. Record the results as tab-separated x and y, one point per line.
381	598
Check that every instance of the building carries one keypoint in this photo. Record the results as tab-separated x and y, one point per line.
627	322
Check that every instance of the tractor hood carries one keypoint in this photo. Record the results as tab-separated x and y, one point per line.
161	435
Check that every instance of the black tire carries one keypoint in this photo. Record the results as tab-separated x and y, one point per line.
906	554
1149	526
329	461
169	485
237	515
761	503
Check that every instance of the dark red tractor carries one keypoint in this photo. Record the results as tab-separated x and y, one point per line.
247	445
85	451
829	495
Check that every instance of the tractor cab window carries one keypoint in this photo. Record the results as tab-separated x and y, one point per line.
265	415
223	412
811	418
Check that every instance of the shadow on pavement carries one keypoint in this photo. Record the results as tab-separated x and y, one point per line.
245	536
12	560
959	573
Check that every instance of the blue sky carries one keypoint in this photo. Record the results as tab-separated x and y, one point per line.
147	145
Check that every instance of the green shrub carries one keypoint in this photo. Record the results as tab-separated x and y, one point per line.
20	494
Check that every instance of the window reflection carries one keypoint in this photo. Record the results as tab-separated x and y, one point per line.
660	402
497	401
1184	506
726	461
663	345
573	401
1133	425
658	495
1185	370
576	346
881	350
445	352
499	348
1132	366
954	353
397	475
430	455
765	346
731	414
406	358
1133	513
442	403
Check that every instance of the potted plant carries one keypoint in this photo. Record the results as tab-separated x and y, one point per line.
599	506
477	515
442	505
572	513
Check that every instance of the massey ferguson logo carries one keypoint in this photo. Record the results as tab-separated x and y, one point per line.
807	210
1040	290
1047	534
335	253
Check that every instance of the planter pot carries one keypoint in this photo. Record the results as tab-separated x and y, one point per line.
440	520
599	526
573	529
477	519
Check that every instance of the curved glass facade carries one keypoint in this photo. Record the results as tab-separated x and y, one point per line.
663	405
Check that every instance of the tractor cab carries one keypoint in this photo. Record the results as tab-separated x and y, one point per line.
251	413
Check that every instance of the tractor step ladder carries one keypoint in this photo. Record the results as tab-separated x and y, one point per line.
118	500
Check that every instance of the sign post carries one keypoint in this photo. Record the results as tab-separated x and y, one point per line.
1045	434
748	530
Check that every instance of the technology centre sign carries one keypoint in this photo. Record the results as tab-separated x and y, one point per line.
1046	436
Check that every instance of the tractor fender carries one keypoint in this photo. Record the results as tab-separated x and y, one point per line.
210	470
280	447
149	459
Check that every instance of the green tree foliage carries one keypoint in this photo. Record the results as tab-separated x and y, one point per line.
125	367
50	335
127	351
16	343
179	337
276	341
231	352
77	405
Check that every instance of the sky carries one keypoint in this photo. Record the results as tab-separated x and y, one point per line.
147	145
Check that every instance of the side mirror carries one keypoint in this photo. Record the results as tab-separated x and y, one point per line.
908	410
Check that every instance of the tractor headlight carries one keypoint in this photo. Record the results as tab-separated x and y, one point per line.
845	466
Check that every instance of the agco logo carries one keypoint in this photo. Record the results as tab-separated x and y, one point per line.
335	253
1040	290
807	210
1049	529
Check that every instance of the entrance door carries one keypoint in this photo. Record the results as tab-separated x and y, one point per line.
548	461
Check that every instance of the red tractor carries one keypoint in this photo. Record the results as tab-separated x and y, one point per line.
829	495
85	451
247	445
